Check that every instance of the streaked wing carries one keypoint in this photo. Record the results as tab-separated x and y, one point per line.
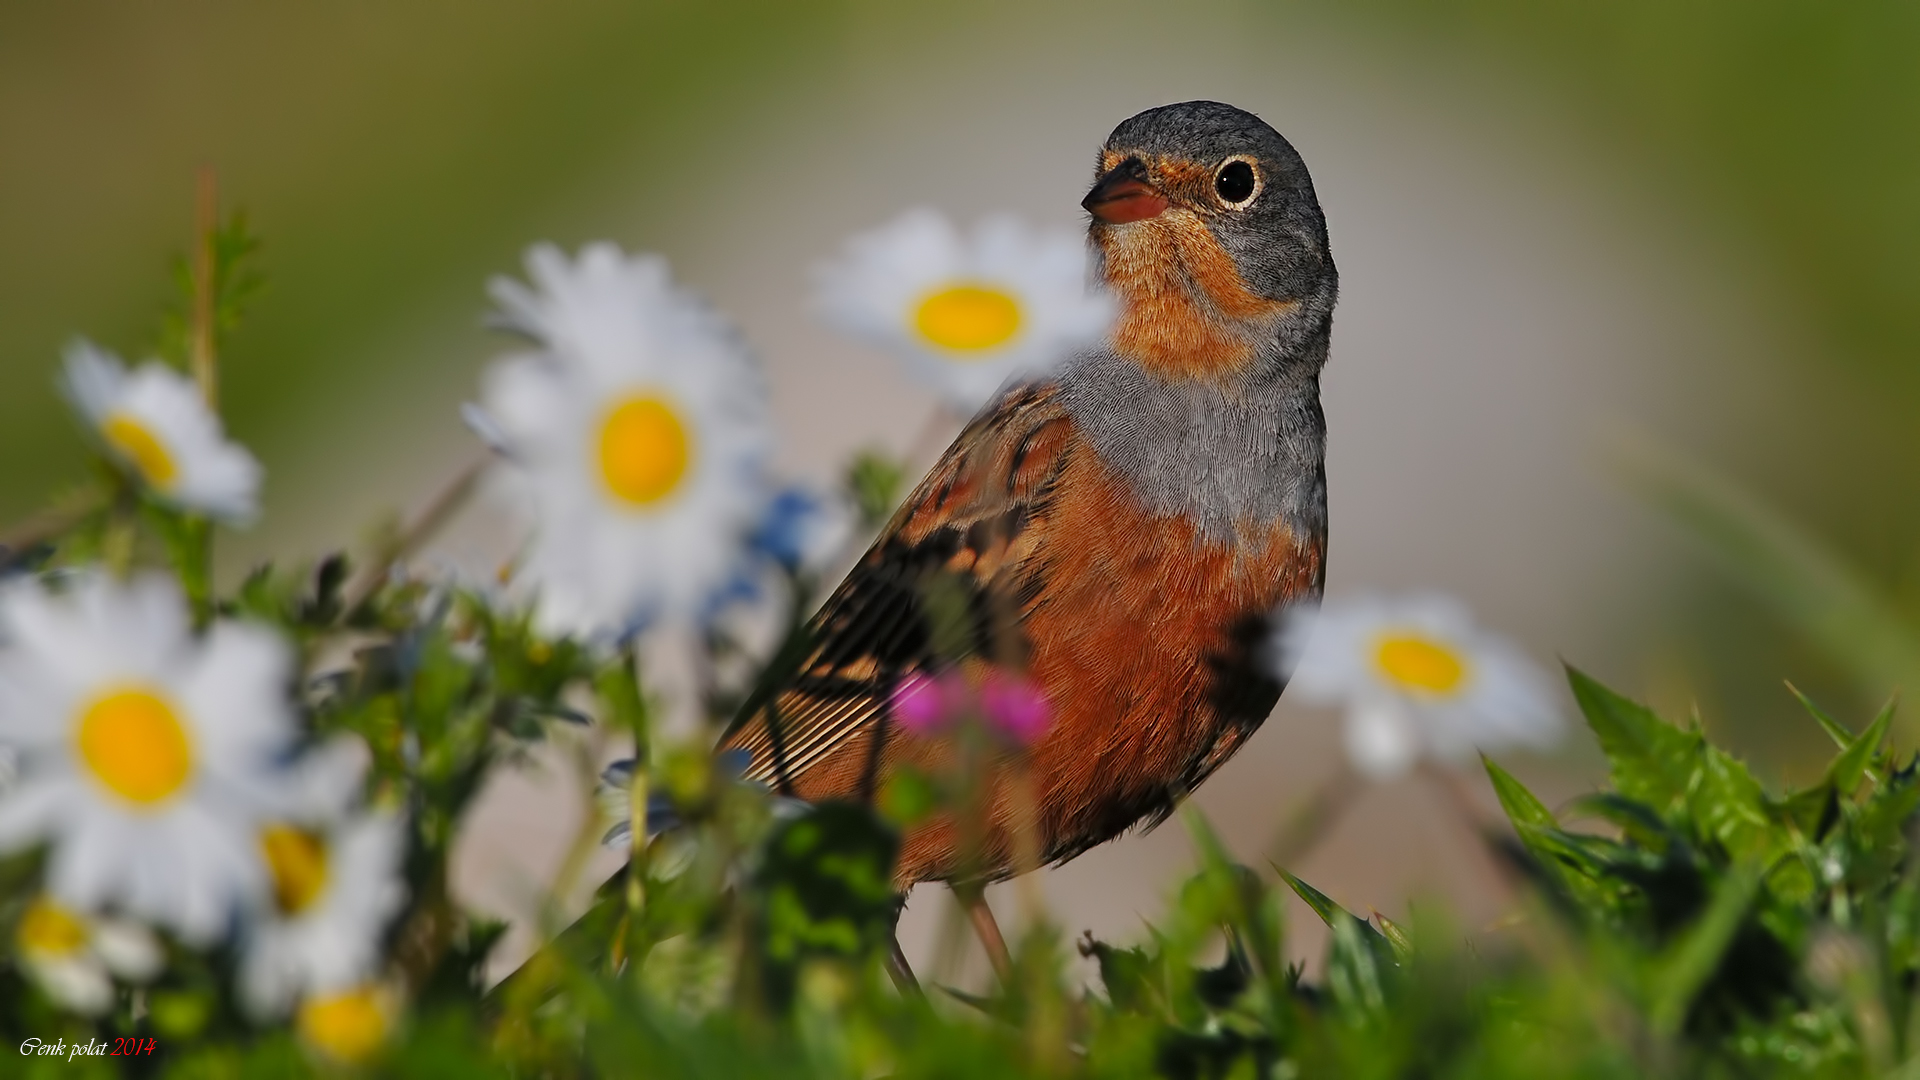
952	576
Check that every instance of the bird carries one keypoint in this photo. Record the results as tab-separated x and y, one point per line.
1121	533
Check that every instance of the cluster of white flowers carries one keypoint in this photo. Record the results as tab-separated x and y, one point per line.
153	761
157	763
635	428
1417	679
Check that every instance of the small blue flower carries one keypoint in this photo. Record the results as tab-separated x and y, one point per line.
789	530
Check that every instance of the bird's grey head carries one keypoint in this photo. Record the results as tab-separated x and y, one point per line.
1178	185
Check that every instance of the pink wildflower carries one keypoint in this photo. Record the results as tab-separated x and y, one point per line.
1015	705
920	704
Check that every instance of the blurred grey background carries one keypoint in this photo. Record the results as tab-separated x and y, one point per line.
1559	226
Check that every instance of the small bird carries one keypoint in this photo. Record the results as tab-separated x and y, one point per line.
1119	533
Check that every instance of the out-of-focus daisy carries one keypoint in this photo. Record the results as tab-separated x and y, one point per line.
146	751
335	887
154	423
350	1026
967	312
637	433
1416	677
74	957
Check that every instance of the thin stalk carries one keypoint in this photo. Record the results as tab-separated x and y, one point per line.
200	340
431	519
49	523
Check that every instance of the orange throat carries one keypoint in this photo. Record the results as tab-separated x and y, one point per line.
1186	313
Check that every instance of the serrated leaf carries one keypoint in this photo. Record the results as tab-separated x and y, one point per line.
1728	805
1652	761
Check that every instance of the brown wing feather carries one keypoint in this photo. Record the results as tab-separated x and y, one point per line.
962	545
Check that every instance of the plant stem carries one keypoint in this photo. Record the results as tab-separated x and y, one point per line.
200	339
49	523
402	544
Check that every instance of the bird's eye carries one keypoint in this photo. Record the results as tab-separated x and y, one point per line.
1236	183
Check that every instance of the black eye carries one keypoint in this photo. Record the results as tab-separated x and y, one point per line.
1235	182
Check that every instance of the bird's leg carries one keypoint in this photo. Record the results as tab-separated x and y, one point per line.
973	898
902	972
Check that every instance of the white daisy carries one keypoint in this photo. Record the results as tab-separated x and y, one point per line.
145	751
336	886
74	957
637	433
1416	678
154	422
967	312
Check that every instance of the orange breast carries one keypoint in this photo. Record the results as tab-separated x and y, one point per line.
1140	641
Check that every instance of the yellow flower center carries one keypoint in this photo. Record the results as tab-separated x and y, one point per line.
135	744
297	860
644	450
47	929
968	318
348	1026
136	442
1417	662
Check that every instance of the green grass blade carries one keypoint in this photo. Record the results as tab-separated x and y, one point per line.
1799	576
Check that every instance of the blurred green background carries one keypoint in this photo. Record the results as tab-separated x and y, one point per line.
394	155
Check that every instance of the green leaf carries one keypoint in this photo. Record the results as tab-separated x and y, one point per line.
1519	803
1396	936
1337	917
1691	960
1355	967
1652	761
1130	976
1846	770
1731	806
1834	729
1321	904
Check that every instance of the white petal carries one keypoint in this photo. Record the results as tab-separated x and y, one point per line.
78	983
129	949
29	809
92	379
1381	739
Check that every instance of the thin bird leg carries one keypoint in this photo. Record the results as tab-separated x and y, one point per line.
974	899
902	972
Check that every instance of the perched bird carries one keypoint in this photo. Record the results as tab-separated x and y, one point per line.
1119	534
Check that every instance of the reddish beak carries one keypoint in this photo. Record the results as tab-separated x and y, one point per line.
1124	195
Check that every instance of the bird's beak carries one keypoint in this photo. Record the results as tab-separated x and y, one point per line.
1124	195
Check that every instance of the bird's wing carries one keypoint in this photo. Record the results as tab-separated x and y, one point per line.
952	576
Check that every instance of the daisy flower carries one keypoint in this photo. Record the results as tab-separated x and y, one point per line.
155	424
350	1026
335	887
74	957
1416	678
637	434
145	750
967	312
